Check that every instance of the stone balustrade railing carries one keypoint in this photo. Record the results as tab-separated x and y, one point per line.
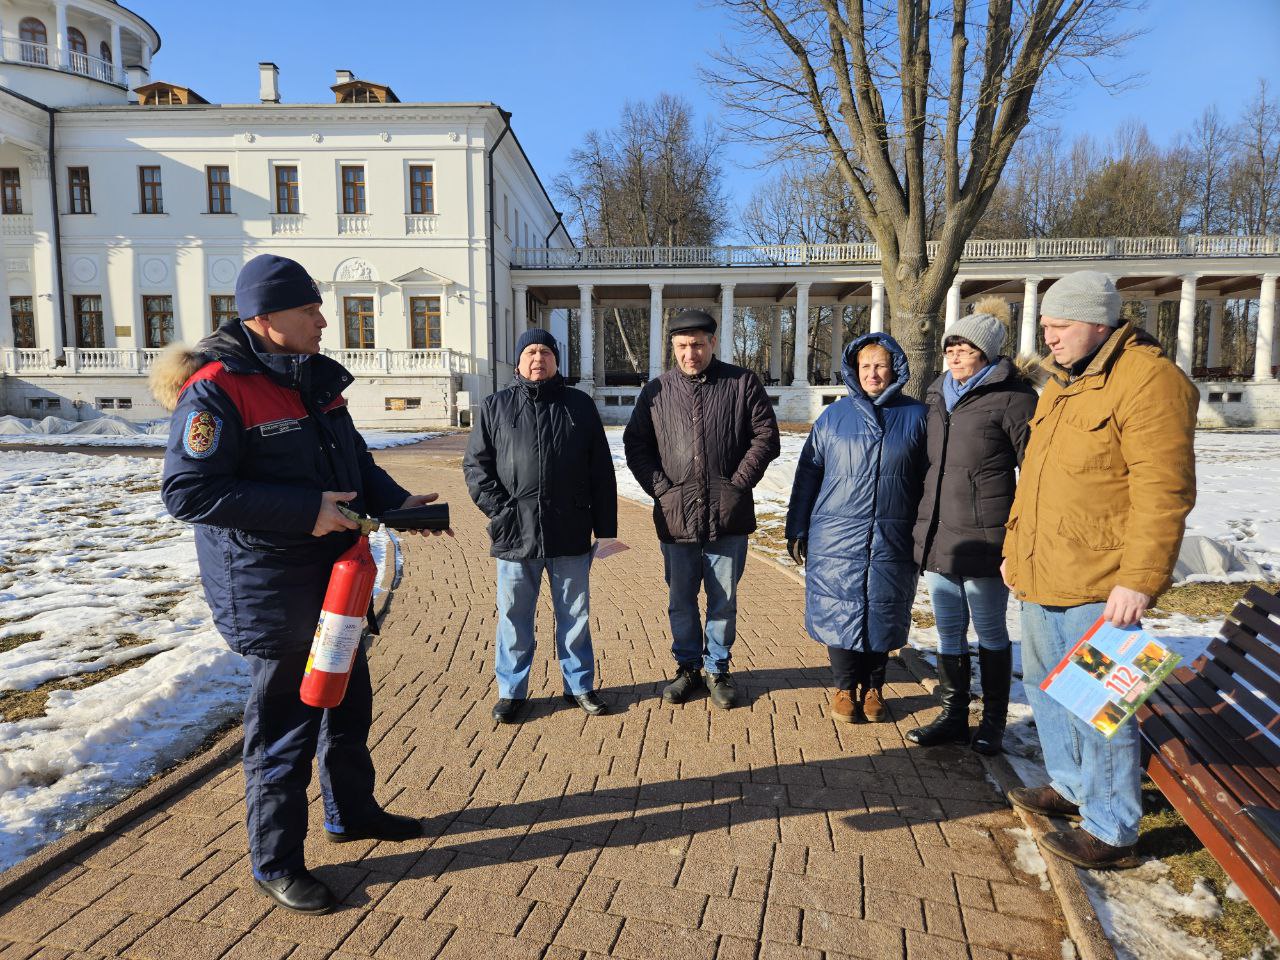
99	361
800	254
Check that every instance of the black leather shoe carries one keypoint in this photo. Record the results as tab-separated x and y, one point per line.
589	701
385	826
1086	850
724	692
1045	801
505	710
688	680
299	891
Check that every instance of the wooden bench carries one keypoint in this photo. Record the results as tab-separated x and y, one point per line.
1210	741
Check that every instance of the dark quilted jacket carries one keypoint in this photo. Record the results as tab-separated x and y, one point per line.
969	488
538	465
698	445
855	497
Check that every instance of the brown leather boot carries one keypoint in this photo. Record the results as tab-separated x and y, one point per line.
1045	801
1085	850
873	705
843	708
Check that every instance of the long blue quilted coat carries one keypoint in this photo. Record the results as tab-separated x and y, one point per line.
855	496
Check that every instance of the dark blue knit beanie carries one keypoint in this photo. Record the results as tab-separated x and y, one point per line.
269	284
537	335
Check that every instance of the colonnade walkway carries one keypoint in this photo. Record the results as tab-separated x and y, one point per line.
764	832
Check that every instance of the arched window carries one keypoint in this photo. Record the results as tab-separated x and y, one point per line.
33	40
104	51
78	49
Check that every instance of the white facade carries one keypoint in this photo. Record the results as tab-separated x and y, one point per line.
125	257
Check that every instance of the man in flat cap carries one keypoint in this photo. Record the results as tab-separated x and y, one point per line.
698	442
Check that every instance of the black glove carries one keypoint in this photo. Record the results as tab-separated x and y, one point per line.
796	548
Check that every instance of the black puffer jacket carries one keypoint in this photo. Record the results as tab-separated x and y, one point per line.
698	445
969	487
538	465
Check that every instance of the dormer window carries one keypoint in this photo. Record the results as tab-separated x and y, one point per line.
162	94
362	91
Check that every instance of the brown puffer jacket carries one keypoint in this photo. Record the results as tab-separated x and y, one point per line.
1108	478
698	445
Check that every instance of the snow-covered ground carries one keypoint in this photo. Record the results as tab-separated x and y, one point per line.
94	574
1237	474
107	431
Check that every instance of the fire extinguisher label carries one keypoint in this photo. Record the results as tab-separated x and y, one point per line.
335	642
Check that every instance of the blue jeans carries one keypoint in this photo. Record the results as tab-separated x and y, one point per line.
518	584
956	599
716	565
1103	776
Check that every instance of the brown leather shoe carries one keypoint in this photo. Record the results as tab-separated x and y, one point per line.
843	708
873	705
1045	801
1085	850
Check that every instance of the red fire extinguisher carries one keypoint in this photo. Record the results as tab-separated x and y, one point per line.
342	620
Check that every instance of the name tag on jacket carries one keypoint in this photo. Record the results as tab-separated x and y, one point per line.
279	426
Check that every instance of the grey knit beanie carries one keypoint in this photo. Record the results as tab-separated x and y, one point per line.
984	331
1086	295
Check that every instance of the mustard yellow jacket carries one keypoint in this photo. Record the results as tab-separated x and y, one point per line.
1108	478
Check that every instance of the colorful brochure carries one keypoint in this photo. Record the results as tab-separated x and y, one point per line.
1108	674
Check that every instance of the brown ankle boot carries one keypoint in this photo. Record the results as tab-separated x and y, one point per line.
873	705
843	708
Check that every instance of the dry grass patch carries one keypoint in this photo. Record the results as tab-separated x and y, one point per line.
922	617
1237	932
30	704
1206	601
17	640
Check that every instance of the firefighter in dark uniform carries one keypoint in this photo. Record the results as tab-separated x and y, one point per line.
262	450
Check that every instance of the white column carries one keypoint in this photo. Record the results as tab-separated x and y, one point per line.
520	308
1266	329
877	306
775	343
117	57
1187	323
1214	356
6	321
837	341
800	366
586	337
146	56
44	272
1030	317
656	345
726	323
60	58
598	320
953	305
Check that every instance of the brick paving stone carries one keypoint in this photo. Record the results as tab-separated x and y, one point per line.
369	934
123	936
943	920
678	907
180	938
923	946
30	921
468	944
253	947
897	909
849	935
480	909
413	940
1023	901
739	918
647	940
86	928
588	930
542	922
1004	932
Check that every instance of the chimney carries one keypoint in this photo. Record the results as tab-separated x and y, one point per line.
136	76
268	83
345	76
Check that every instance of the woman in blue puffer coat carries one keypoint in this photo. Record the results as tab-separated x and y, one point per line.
853	506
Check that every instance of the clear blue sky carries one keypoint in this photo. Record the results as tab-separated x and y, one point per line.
563	67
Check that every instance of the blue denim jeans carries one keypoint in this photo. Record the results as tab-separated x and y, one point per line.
1103	776
518	584
956	600
716	565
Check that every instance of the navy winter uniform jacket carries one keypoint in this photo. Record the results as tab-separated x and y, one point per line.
539	466
856	492
254	441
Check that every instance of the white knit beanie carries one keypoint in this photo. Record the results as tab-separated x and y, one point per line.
1086	295
984	331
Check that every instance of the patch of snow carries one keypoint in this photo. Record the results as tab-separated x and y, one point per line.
1136	906
1027	856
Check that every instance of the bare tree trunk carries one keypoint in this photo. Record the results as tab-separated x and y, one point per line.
626	344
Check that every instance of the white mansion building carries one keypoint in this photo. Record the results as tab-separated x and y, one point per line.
130	205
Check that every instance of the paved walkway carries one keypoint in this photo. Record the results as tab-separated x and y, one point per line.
767	831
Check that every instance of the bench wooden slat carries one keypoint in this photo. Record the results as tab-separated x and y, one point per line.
1246	641
1194	780
1261	891
1264	600
1212	740
1265	716
1242	734
1256	622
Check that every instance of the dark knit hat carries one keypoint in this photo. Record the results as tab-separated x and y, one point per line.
692	321
537	335
269	284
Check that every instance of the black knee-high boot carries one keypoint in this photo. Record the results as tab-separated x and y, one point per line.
952	725
997	670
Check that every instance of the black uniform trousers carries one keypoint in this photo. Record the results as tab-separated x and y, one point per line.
851	669
281	737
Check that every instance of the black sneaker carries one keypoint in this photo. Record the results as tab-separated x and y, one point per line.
505	710
687	682
724	692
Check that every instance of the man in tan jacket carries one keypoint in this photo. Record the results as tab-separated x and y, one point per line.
1097	521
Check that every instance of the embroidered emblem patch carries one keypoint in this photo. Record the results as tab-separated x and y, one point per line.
201	435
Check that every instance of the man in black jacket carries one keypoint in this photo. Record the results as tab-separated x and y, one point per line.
698	442
538	465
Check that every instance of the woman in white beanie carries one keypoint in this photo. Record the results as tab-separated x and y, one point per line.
977	431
